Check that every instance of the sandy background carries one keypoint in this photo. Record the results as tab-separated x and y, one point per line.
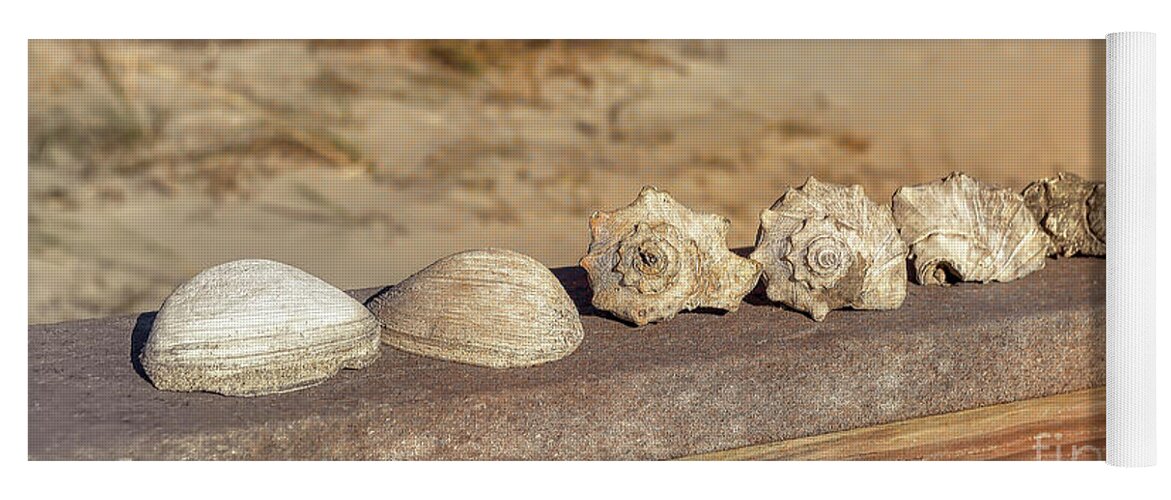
362	162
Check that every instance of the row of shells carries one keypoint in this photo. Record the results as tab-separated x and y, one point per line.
823	246
255	327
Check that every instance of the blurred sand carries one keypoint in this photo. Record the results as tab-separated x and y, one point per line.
363	162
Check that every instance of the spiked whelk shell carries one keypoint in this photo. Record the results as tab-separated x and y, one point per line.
825	247
494	308
963	229
254	327
1072	212
651	259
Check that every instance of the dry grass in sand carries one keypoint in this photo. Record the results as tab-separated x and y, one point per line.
363	161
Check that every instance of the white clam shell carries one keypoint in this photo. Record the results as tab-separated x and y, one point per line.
960	228
494	308
254	327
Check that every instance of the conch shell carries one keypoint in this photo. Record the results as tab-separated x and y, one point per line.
254	327
653	258
494	308
962	229
825	247
1072	212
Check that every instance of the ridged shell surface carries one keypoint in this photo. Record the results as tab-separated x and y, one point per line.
825	246
962	229
1072	212
494	308
651	259
254	327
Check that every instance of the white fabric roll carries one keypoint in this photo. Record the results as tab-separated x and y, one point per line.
1130	240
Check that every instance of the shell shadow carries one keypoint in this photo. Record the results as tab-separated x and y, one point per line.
142	326
743	251
759	295
376	294
576	282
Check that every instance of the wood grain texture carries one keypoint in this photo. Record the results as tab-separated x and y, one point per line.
1068	426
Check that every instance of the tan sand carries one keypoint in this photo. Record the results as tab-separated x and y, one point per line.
364	162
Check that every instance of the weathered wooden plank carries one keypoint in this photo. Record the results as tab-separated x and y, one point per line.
700	383
1069	426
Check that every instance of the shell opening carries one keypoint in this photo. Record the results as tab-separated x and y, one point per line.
940	272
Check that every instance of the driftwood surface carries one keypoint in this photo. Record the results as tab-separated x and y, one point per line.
700	383
1069	427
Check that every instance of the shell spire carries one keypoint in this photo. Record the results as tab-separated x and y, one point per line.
655	257
825	246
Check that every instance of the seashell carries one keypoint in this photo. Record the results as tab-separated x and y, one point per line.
1072	212
494	308
655	257
826	246
962	229
255	327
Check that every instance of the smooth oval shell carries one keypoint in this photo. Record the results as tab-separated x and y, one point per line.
962	229
254	327
655	257
494	308
1072	212
825	246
